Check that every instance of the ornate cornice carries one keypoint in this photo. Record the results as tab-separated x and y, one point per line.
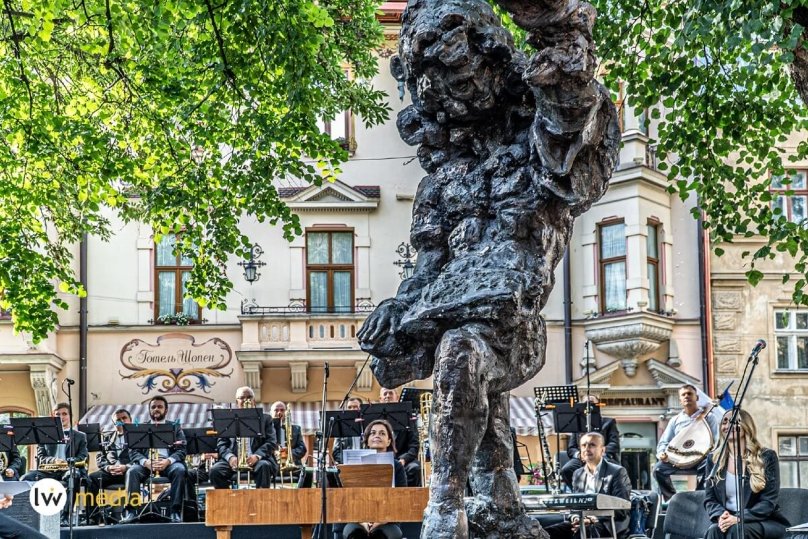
629	337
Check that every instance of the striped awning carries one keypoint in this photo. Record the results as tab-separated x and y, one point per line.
305	414
523	417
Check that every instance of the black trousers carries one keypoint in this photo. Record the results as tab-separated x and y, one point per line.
102	479
137	475
752	530
12	528
221	474
413	471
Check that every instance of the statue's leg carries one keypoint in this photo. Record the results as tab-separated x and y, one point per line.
460	414
496	510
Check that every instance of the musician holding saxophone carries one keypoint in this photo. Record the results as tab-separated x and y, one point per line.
254	455
287	434
690	417
52	458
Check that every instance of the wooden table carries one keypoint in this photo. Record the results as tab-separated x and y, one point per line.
228	508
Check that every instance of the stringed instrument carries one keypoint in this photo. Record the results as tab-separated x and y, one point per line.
692	444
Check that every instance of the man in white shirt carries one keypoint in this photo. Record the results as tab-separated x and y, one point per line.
691	412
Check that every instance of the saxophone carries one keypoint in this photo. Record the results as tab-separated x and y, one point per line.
288	465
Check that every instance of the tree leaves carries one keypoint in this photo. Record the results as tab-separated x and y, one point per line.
178	114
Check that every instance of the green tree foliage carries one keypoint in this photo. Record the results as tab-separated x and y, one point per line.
722	80
175	113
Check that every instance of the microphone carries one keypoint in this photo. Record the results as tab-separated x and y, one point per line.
760	345
71	382
327	369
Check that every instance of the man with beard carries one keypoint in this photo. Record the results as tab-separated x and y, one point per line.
169	463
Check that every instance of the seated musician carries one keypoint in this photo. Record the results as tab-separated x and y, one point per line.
597	476
406	443
379	436
260	451
762	517
349	442
13	464
113	460
52	458
691	412
167	462
609	431
279	423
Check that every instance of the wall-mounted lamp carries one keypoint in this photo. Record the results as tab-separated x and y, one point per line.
251	266
407	265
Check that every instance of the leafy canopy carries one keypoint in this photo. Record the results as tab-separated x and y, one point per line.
719	76
175	113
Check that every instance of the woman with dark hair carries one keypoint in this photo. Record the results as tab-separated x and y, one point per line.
761	514
379	436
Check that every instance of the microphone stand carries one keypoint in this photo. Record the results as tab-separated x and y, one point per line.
735	428
71	458
323	452
588	385
353	384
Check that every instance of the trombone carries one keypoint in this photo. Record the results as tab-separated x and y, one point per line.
242	448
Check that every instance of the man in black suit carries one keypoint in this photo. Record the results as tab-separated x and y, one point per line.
597	476
169	463
58	455
299	450
260	451
406	443
610	433
113	460
354	404
13	469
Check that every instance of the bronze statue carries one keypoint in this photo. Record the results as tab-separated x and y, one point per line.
515	148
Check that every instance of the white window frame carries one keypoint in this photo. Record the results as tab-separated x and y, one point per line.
786	338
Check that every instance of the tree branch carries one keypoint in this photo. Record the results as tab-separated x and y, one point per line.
228	73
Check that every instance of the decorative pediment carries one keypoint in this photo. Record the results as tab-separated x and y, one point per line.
667	377
332	196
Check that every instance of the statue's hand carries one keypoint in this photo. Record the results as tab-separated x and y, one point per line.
382	322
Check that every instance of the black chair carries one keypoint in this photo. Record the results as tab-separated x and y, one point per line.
686	517
794	505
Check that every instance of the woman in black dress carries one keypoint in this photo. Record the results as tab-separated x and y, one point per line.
762	517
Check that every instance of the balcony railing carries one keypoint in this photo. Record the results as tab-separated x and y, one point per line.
299	307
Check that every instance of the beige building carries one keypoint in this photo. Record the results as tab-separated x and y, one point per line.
741	314
627	303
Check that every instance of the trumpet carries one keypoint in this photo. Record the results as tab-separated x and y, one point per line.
60	466
154	455
242	448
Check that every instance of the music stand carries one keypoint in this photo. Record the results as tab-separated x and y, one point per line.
413	395
572	419
93	433
37	430
237	422
556	394
344	424
6	438
199	440
143	438
398	414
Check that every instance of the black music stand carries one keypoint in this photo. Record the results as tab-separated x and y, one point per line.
413	395
93	433
199	441
6	438
344	424
556	394
572	419
397	413
37	430
143	438
238	423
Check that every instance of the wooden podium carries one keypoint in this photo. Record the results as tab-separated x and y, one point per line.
228	508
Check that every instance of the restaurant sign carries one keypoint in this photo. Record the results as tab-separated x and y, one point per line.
176	363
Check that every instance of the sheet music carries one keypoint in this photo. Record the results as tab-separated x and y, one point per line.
378	458
354	456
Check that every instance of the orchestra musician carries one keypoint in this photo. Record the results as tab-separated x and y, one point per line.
168	462
406	443
260	455
597	476
113	460
379	435
353	404
55	456
610	433
299	450
13	462
762	517
691	413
